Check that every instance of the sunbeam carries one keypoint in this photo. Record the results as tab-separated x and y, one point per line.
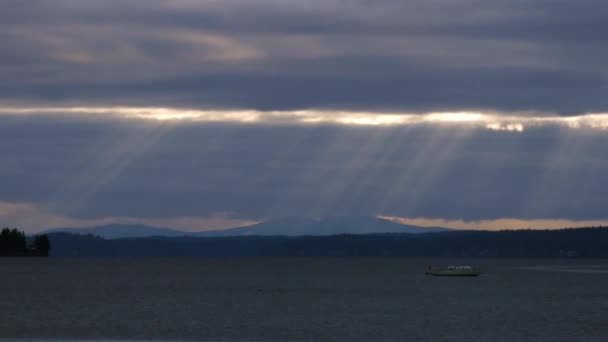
101	164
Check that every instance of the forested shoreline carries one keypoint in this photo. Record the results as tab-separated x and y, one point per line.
14	243
566	243
589	242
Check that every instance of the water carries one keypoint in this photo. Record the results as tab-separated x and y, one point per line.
301	300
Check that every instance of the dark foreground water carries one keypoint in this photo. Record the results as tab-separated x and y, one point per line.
302	299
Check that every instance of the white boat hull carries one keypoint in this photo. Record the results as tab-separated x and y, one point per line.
453	271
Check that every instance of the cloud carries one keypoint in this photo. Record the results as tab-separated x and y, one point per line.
516	122
414	56
184	109
497	224
32	219
96	165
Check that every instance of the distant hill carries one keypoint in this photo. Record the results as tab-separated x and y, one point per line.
289	226
299	226
120	231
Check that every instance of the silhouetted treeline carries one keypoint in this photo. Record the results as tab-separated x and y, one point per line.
583	242
14	243
41	245
580	242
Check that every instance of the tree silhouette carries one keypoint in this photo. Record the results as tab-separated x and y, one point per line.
42	245
12	242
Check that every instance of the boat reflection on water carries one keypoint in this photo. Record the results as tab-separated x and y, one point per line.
453	271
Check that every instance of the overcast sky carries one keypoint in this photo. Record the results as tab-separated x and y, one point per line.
214	114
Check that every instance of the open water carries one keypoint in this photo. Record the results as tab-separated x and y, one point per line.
375	299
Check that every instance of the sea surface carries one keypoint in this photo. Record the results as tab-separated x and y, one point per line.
317	299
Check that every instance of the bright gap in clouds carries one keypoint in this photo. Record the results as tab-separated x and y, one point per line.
33	218
516	122
496	224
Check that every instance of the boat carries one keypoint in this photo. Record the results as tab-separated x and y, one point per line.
453	271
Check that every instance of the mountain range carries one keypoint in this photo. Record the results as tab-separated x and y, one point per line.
288	226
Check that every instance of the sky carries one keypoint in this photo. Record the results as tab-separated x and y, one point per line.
203	115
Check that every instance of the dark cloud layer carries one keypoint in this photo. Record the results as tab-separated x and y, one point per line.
105	168
418	90
545	56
